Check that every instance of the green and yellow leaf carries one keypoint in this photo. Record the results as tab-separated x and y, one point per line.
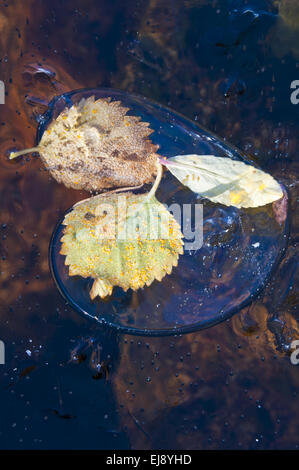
121	240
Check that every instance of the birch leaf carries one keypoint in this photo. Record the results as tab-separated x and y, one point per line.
95	145
123	240
225	181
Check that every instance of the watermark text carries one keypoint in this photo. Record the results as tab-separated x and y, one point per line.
295	354
2	353
148	221
2	92
295	94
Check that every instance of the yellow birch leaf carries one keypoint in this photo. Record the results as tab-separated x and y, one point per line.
123	240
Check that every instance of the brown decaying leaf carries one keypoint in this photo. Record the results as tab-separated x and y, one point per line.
95	145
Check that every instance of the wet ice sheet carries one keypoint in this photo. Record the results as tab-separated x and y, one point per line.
239	251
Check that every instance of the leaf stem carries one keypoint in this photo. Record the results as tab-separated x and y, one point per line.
22	152
157	181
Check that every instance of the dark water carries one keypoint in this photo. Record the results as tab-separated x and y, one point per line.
67	383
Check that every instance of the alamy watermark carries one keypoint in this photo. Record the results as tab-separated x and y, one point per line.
2	353
148	221
2	92
295	94
294	358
